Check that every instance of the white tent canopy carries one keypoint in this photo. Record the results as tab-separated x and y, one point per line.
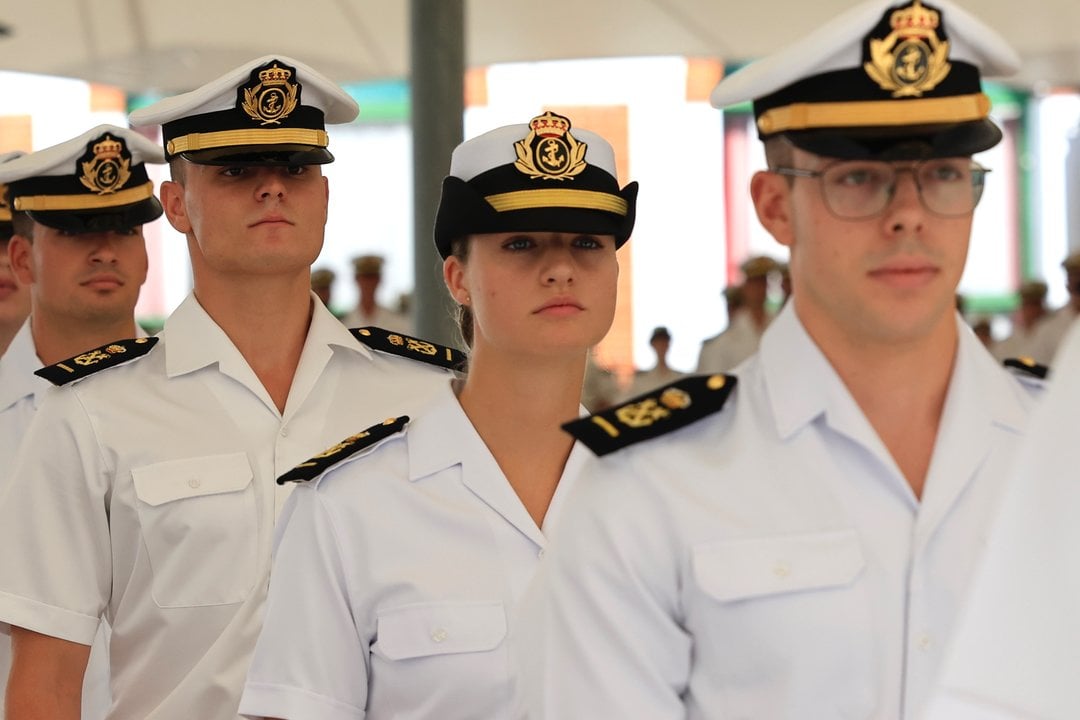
151	46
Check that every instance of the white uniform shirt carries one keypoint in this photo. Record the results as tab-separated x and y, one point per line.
145	494
21	392
771	561
402	569
1017	650
741	340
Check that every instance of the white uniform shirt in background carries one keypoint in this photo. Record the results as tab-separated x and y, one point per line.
771	561
145	494
1017	651
401	568
21	392
738	342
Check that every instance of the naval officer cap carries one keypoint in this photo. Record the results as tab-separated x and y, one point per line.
6	229
270	111
543	176
95	182
882	79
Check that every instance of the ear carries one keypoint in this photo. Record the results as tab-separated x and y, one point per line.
454	277
771	194
19	255
175	205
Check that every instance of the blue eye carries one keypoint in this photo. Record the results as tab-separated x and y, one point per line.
297	169
519	242
589	242
235	171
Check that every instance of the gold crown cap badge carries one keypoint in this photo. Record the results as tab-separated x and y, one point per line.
550	151
912	59
108	170
273	98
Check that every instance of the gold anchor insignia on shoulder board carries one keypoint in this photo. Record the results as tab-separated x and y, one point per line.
912	59
273	97
665	409
318	464
413	344
550	151
109	168
91	361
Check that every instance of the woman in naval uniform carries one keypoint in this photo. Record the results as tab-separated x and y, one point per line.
402	563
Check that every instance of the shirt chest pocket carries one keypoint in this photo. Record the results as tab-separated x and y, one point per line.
747	568
415	631
199	525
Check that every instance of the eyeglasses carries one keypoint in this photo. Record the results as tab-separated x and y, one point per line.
861	189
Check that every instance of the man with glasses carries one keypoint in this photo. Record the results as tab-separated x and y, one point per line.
797	546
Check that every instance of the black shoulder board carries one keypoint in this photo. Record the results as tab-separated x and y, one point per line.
106	356
1027	366
316	466
410	347
654	413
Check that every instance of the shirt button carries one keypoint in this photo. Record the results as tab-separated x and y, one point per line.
284	431
439	634
923	641
540	553
781	569
194	483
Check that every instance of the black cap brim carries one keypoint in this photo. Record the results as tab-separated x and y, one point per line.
103	220
268	155
904	142
463	211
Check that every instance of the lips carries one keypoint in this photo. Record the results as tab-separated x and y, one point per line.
271	220
905	274
560	306
103	282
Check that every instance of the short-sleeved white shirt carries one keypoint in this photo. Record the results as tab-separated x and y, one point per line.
1016	653
21	392
402	568
145	494
771	561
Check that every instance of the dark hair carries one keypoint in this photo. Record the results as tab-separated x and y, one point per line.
459	248
23	224
178	170
779	153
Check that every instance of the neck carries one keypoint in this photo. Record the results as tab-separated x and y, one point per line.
367	306
517	406
58	338
900	386
267	319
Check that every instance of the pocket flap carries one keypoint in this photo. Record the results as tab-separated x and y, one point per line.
744	568
440	629
191	477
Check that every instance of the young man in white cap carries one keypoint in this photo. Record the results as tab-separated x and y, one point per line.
14	298
801	551
77	248
154	466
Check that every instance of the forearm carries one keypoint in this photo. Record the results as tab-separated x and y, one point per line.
46	677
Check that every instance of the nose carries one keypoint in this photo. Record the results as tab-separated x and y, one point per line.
559	266
271	184
905	212
103	247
